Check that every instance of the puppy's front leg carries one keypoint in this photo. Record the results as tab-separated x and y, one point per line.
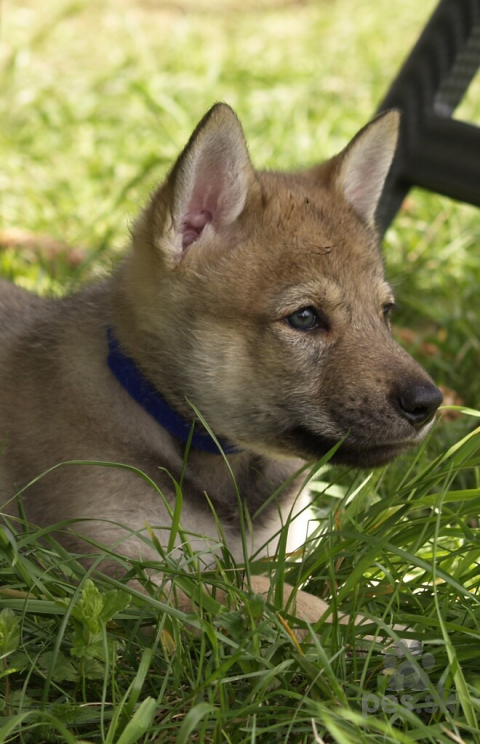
305	606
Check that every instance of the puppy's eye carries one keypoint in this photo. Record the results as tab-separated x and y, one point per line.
304	319
387	310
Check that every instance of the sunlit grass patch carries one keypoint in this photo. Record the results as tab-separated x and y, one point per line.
80	658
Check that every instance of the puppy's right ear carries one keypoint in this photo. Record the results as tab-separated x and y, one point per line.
364	164
207	188
358	173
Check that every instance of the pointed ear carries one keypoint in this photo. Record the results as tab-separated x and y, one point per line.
361	169
208	185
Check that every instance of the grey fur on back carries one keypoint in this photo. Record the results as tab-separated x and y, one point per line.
60	402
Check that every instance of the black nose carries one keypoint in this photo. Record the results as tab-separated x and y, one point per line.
418	404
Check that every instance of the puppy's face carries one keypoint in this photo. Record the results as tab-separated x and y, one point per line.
261	298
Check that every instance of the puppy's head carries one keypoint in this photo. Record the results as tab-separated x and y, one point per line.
261	298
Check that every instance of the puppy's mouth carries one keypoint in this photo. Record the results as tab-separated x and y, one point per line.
312	446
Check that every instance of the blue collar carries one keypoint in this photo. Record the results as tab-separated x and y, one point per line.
143	392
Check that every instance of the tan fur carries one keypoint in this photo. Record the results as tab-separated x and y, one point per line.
222	255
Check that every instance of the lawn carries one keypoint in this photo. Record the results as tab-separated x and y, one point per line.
96	100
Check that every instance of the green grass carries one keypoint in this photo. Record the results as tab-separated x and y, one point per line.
96	101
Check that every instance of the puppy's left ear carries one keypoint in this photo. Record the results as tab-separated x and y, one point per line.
361	169
206	190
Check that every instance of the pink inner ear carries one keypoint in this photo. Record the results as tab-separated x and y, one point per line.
217	192
206	202
193	225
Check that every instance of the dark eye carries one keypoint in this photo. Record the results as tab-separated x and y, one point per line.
304	319
387	310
